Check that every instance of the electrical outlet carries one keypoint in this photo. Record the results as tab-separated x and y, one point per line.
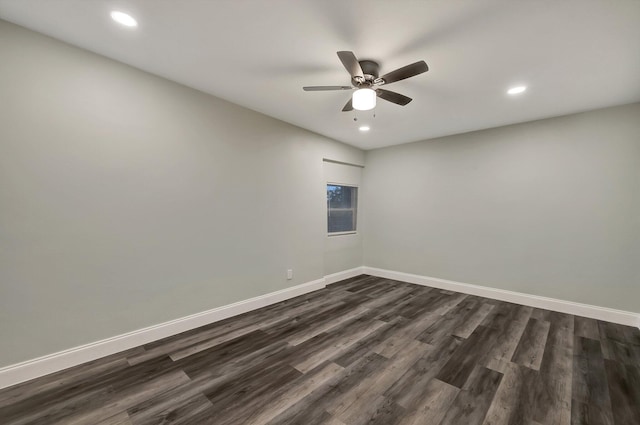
289	274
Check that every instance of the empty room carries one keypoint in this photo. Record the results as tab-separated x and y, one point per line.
264	212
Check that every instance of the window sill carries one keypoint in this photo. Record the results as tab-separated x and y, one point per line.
341	233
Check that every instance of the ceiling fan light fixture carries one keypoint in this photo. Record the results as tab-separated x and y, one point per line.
364	99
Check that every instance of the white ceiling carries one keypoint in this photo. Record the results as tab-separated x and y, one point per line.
574	55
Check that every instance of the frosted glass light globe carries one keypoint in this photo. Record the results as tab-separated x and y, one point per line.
364	99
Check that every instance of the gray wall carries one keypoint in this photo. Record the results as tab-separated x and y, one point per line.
550	208
127	200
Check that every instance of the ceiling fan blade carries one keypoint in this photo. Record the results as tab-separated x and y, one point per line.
352	65
349	106
405	72
326	88
393	97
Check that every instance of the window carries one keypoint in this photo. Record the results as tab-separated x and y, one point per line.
342	202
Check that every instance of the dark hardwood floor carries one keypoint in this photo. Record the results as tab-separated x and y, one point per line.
363	351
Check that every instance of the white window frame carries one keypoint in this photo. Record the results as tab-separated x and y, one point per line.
349	232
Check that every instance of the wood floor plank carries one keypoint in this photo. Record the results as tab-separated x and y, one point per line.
586	328
391	311
235	401
222	363
388	298
514	401
466	328
43	389
409	389
333	421
590	392
509	326
554	384
560	320
474	350
447	323
432	405
213	342
322	326
179	401
450	301
380	411
624	388
633	335
361	284
50	386
285	397
418	304
409	330
614	332
343	342
219	334
367	344
169	411
621	352
472	403
121	418
254	344
312	409
531	345
353	404
367	350
127	398
88	394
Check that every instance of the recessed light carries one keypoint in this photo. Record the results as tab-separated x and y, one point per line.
124	19
517	90
364	128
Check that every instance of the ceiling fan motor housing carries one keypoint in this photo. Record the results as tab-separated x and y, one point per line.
370	69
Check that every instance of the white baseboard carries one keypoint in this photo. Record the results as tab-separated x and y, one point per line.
21	372
570	307
346	274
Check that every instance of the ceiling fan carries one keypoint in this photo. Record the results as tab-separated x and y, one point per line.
366	82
